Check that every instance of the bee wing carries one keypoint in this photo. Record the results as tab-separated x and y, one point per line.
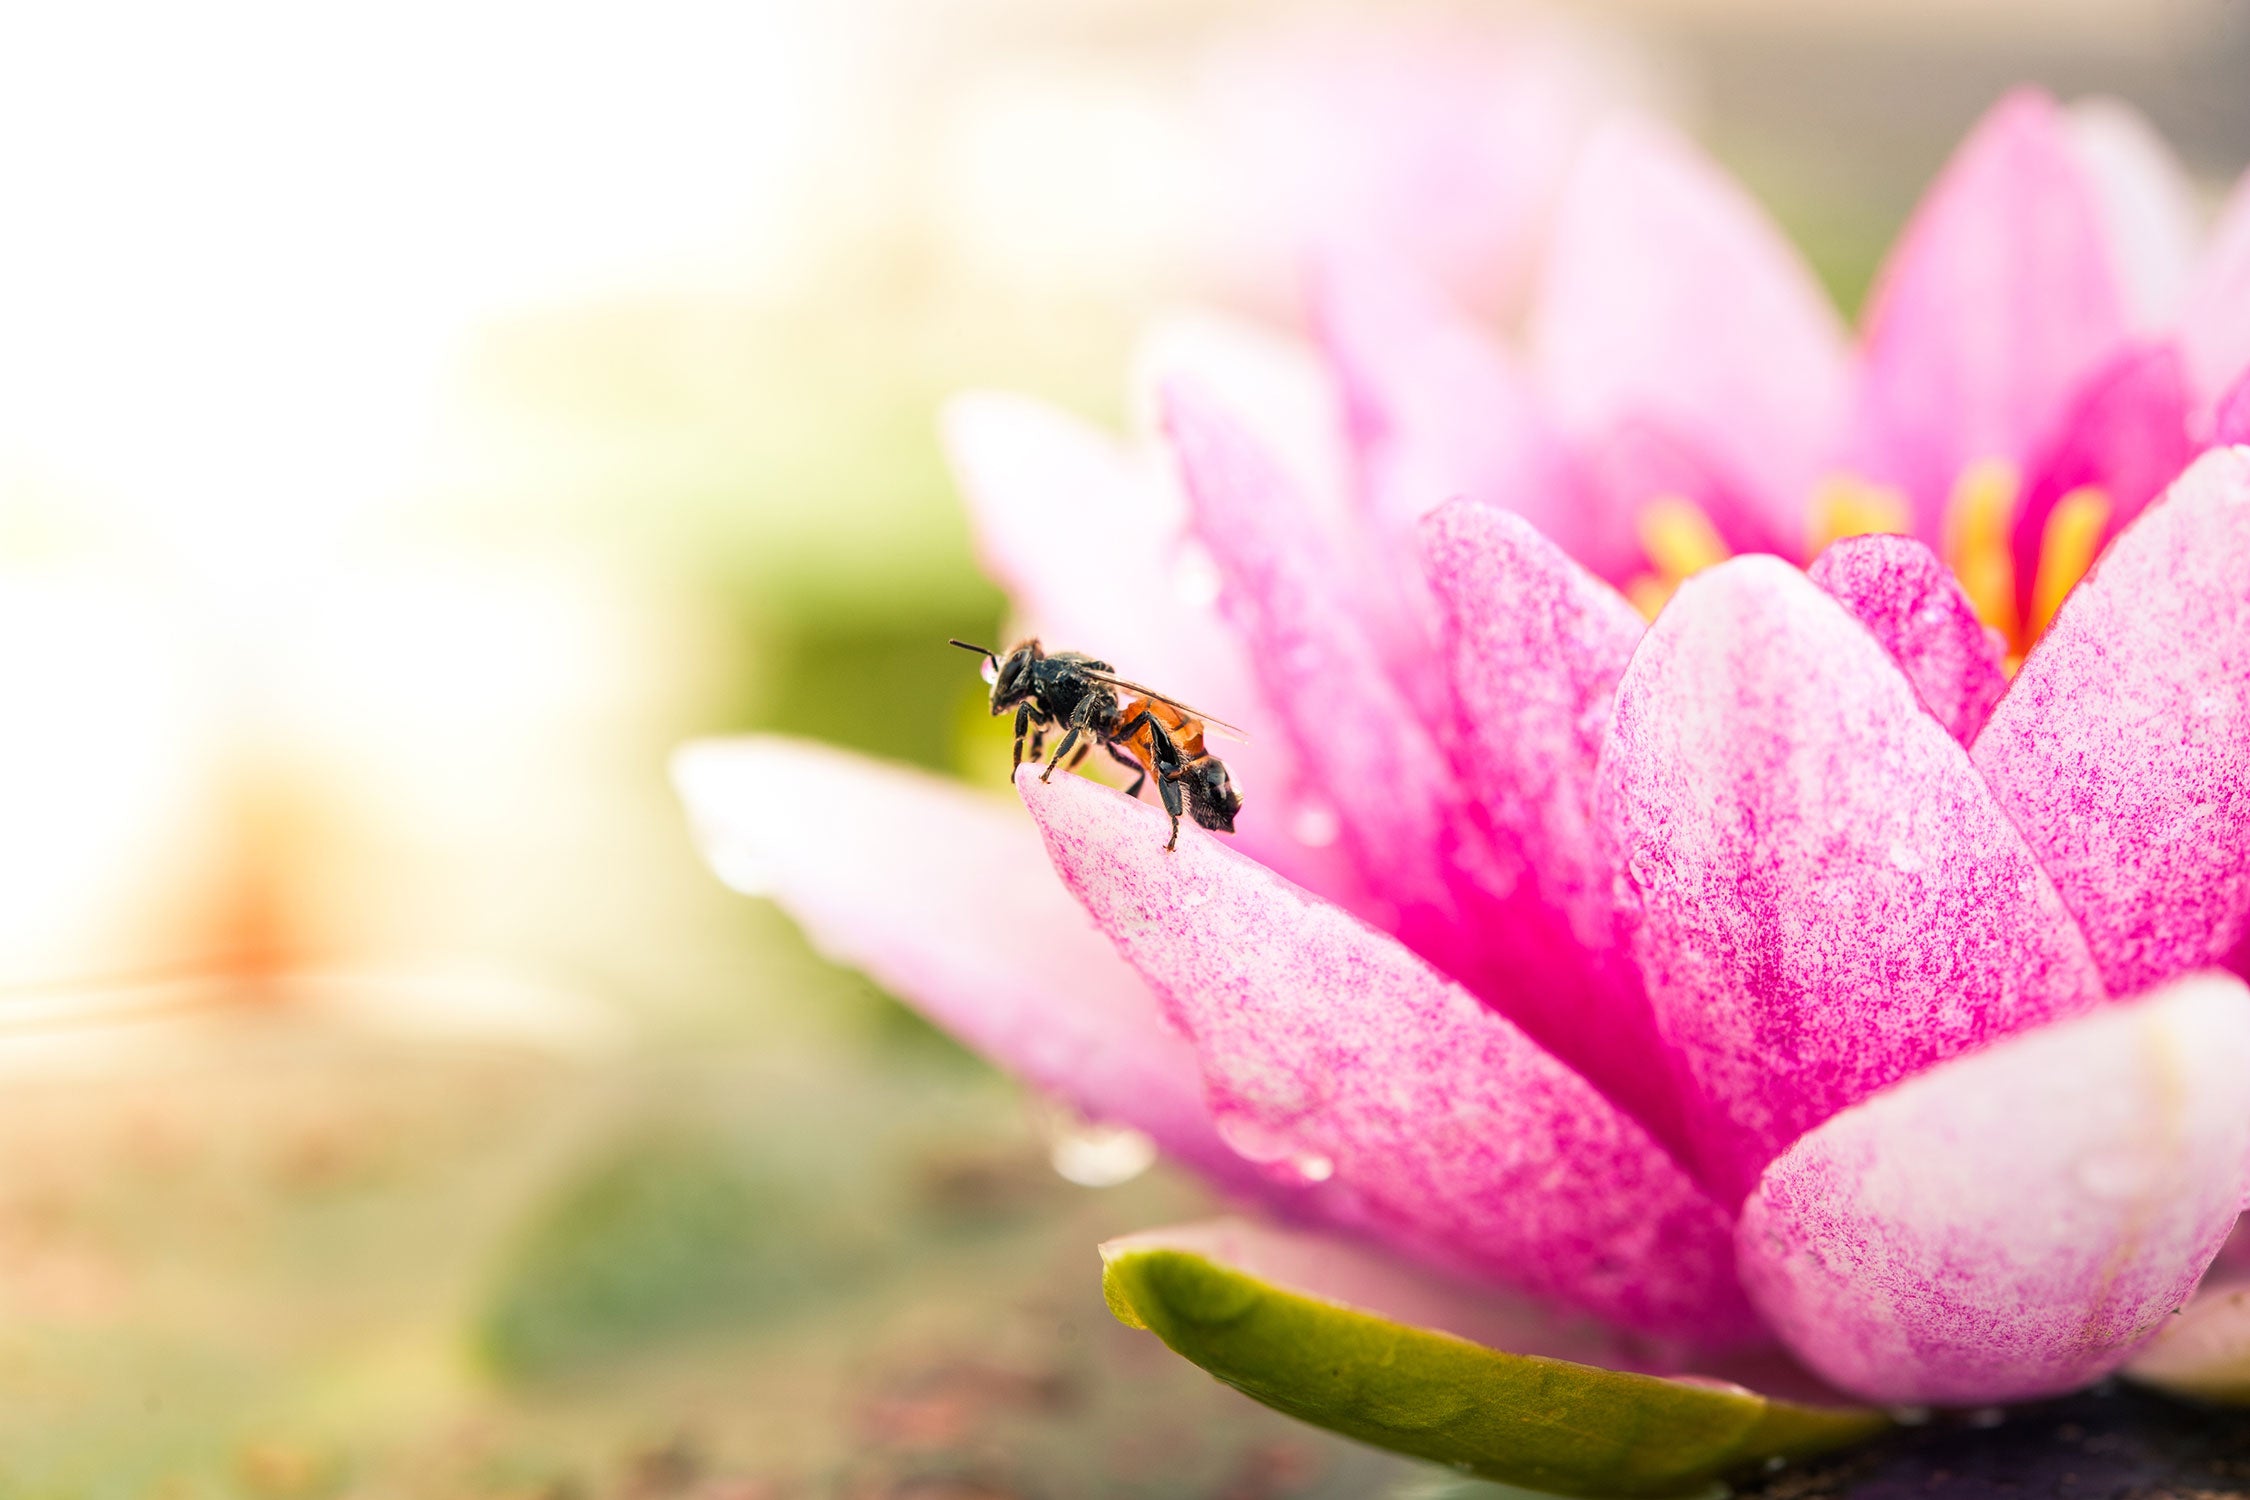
1210	721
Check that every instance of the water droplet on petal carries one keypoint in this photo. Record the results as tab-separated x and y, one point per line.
1644	868
1098	1156
1251	1138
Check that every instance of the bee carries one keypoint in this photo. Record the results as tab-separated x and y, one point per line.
1138	727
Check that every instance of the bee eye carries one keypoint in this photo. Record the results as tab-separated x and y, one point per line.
990	672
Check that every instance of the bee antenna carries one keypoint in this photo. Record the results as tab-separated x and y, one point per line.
983	651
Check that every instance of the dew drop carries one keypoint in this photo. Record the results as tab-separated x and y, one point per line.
1098	1156
1252	1139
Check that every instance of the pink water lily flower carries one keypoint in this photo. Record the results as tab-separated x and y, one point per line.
1721	853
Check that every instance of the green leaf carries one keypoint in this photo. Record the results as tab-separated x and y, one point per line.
1531	1420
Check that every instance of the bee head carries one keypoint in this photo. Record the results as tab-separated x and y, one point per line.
1211	796
1009	675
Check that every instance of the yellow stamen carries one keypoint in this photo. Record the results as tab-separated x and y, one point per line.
1846	505
1649	593
2066	551
1979	543
1681	542
1679	538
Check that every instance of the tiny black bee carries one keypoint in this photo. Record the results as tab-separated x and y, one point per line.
1139	727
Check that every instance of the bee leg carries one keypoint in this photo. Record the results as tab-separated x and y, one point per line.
1070	737
1140	772
1078	719
1023	724
1081	755
1169	788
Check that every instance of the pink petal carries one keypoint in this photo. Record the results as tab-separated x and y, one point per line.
2231	424
2125	434
2148	207
1826	898
1910	600
2215	324
1330	1049
1295	594
1994	308
2016	1222
1535	645
941	895
1437	409
2123	748
1046	493
1287	405
1275	385
1668	298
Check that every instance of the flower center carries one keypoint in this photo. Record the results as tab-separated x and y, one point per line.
1680	541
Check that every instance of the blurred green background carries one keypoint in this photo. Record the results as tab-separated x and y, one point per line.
411	427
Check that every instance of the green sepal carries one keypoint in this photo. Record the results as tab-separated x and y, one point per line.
1541	1423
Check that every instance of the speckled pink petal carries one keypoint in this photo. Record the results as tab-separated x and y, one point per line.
1668	297
1912	603
2013	1223
2126	434
1048	494
2215	323
1438	410
1331	1051
1994	308
1826	898
944	897
2123	748
2148	208
1535	645
1295	591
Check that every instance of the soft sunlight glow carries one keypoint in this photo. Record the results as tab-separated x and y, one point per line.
248	246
